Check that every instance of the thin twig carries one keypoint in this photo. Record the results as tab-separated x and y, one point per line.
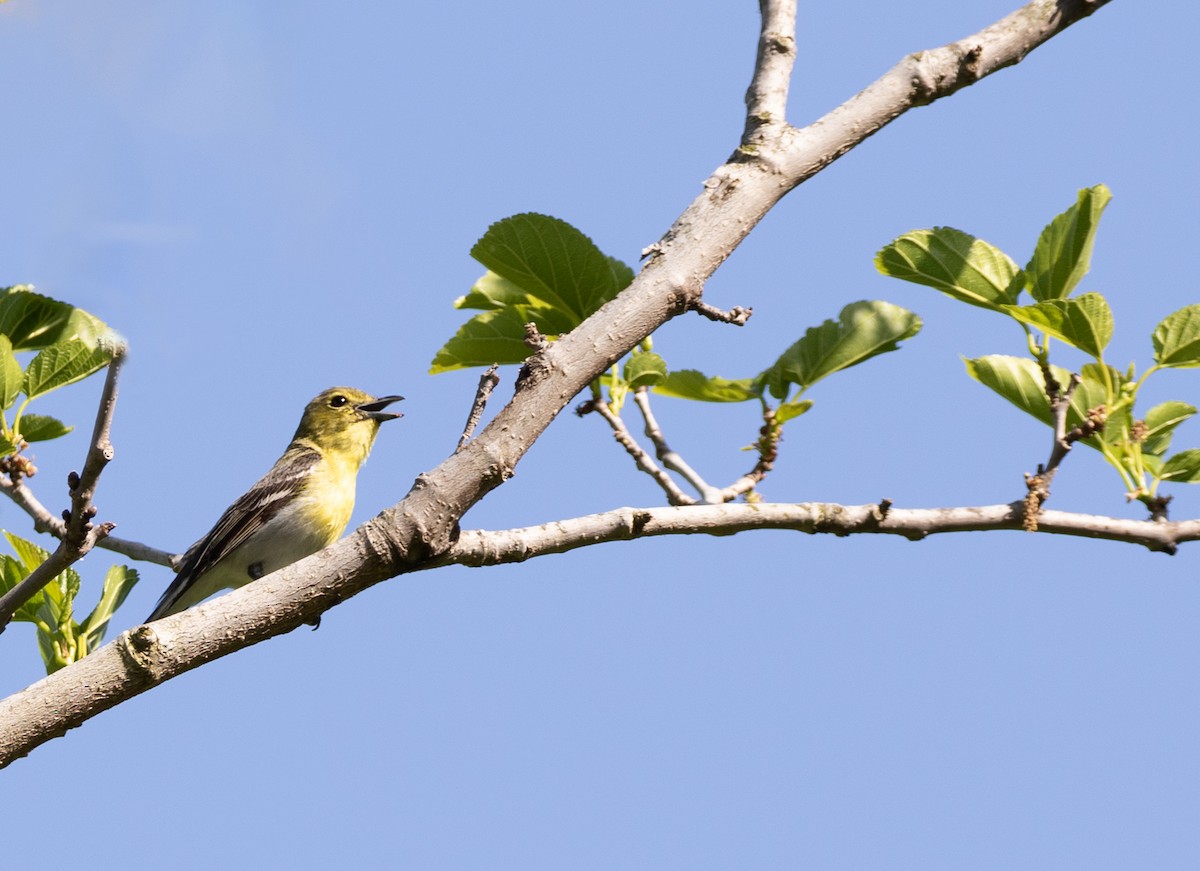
709	494
487	383
736	315
767	446
643	460
47	523
1038	486
80	534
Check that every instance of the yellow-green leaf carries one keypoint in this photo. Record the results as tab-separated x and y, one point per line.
1177	338
862	330
1085	321
1064	250
956	263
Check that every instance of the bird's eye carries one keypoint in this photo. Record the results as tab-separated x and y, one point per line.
338	401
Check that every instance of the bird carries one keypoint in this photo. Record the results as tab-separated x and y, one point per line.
299	507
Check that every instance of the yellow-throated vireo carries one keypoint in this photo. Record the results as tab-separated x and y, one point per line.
297	508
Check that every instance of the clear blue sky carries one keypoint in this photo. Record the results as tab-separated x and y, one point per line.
270	199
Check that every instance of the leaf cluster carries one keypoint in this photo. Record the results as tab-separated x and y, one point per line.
60	344
542	271
977	273
61	638
68	345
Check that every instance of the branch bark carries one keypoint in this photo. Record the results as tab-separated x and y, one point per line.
773	159
483	548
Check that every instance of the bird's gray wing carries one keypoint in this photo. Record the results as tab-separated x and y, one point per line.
242	519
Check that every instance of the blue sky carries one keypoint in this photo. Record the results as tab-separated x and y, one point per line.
267	201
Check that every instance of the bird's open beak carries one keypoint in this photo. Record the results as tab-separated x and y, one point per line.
375	408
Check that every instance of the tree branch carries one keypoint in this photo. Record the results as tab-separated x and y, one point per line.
479	547
47	523
672	460
766	98
640	458
80	535
487	383
424	525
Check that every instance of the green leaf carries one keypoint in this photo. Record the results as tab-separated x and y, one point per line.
1019	380
1183	467
50	600
955	263
552	262
30	555
862	330
11	574
493	292
1161	421
1085	321
1177	338
541	271
62	364
117	584
791	410
490	337
644	370
33	321
691	384
42	428
10	374
1064	250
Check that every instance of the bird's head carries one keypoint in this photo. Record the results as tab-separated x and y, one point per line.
344	421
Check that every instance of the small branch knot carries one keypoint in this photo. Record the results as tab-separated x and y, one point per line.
1096	418
736	315
1038	492
534	339
1158	507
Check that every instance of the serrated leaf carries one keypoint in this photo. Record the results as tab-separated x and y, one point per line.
540	270
862	331
117	583
489	337
1177	338
956	263
1183	467
10	374
33	321
791	410
62	364
1019	380
691	384
1085	321
30	555
492	292
644	370
552	262
42	428
11	574
1063	253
